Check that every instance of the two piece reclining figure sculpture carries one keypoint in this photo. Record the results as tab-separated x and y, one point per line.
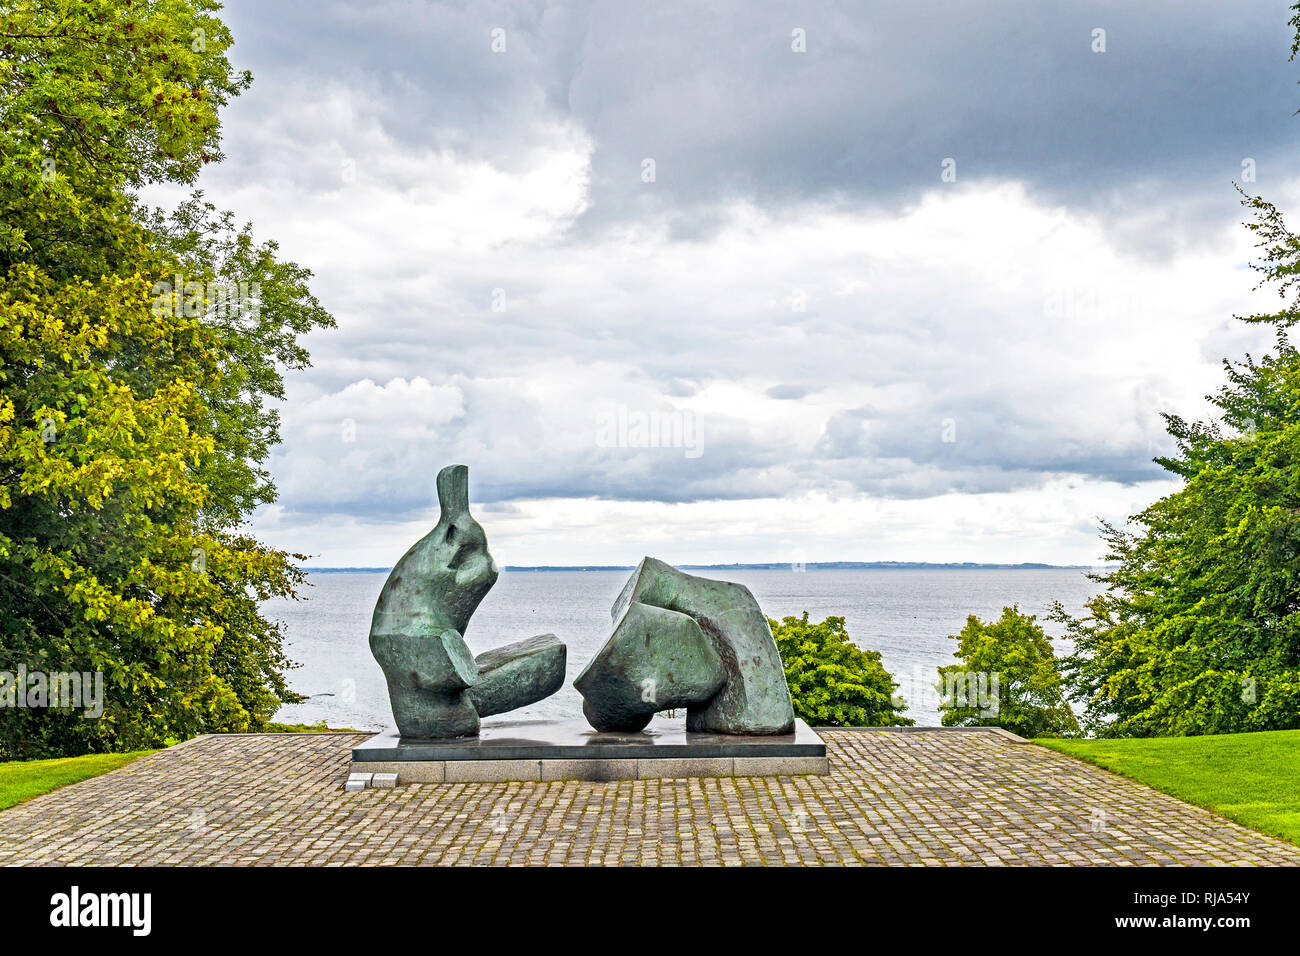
679	641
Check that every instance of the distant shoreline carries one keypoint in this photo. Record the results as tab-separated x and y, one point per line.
772	566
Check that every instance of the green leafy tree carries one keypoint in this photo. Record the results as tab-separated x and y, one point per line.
1197	630
97	98
134	407
1006	676
833	682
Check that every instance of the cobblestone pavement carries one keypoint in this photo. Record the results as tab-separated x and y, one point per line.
937	798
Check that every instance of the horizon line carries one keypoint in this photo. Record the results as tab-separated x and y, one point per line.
764	566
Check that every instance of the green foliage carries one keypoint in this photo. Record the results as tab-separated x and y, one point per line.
133	418
98	97
834	683
1197	630
1030	696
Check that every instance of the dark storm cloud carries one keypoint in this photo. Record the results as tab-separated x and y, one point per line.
992	445
789	392
1184	92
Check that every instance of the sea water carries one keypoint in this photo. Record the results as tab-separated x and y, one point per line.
905	614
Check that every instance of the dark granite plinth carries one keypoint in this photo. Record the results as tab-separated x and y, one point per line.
573	750
663	739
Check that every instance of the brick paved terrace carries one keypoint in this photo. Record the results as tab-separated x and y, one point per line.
917	798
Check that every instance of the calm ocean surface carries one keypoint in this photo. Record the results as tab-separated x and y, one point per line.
907	615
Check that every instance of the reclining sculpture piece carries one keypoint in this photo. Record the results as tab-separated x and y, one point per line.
678	641
436	687
685	641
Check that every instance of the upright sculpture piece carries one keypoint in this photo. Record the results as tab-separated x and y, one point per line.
436	687
684	641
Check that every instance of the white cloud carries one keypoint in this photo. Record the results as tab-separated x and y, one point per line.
973	374
959	318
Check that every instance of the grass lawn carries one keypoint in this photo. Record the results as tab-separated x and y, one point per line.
23	779
1251	778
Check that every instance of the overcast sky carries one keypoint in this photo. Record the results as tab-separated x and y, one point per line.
652	220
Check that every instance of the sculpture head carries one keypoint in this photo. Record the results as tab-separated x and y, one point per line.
464	545
441	580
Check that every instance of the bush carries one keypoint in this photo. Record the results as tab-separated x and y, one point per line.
1006	676
834	683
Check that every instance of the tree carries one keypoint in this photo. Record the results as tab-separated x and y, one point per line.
98	98
1005	677
834	683
134	424
1197	630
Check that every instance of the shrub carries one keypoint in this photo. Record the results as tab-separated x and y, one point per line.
1006	667
834	683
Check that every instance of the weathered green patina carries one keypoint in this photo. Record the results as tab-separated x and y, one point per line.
652	640
518	674
437	688
655	660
